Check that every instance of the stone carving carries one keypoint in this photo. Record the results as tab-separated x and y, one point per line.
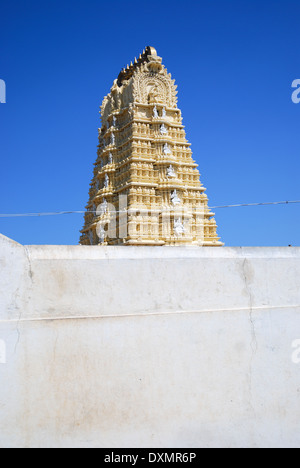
106	181
164	113
101	233
166	149
110	158
106	108
102	209
163	130
170	172
116	96
112	139
155	112
174	198
144	82
154	95
179	228
114	121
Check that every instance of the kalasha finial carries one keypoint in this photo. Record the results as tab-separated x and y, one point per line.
151	51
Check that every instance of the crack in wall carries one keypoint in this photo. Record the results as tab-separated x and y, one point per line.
254	342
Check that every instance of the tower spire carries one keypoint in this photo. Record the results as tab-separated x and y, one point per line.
146	188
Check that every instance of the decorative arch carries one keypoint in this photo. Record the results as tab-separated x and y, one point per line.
155	87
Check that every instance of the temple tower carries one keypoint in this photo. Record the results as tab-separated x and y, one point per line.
146	188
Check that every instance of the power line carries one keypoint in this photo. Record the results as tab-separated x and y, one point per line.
60	213
256	204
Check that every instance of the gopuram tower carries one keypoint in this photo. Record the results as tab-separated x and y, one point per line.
146	188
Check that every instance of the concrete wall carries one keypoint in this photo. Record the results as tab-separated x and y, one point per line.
149	347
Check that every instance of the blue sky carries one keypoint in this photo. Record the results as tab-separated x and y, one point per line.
234	63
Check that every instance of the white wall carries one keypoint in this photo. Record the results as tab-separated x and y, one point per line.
149	347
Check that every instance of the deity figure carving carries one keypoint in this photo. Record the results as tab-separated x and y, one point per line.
171	172
101	233
167	149
179	228
164	113
153	95
110	158
102	209
174	198
114	121
163	130
106	181
155	113
112	139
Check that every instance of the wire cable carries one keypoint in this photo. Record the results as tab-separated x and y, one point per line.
256	204
60	213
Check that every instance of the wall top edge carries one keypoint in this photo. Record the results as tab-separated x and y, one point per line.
45	252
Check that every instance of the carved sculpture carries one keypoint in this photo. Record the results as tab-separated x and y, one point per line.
166	149
101	233
175	199
170	172
102	209
163	130
179	228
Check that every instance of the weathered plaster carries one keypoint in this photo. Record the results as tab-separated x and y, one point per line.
149	347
